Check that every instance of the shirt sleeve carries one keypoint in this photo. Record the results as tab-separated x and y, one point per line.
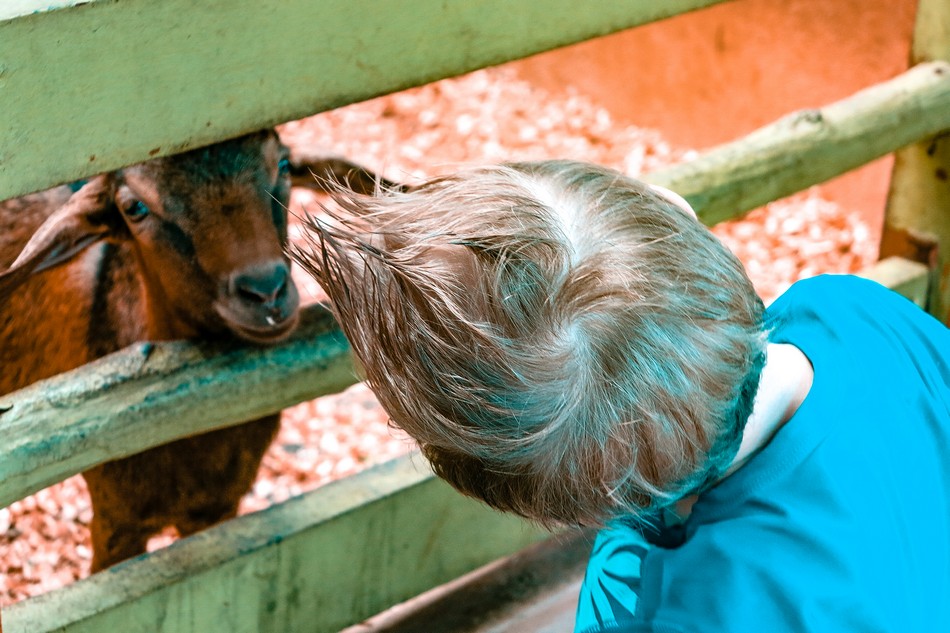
611	589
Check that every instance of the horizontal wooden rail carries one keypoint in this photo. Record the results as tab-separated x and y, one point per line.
97	84
152	393
908	278
811	146
316	563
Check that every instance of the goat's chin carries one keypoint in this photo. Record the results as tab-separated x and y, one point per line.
257	328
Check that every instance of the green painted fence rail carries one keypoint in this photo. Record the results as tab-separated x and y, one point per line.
314	564
918	206
94	85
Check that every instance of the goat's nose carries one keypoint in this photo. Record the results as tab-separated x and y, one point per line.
262	284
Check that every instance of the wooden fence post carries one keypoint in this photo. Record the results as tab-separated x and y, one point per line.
917	218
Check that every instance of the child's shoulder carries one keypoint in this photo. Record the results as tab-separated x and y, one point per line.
845	310
838	296
837	288
826	310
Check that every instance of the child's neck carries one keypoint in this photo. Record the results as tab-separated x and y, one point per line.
786	380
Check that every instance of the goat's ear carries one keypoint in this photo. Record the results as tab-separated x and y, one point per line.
324	173
89	216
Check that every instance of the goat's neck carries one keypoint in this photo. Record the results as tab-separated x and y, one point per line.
163	324
162	321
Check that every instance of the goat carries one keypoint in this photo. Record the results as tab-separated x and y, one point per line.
185	246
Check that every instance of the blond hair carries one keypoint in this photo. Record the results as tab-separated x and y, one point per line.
562	342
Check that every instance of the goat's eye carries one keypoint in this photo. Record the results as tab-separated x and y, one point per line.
136	211
283	166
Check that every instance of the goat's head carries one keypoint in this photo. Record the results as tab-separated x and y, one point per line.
209	228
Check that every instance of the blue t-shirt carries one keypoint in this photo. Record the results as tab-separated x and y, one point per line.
842	522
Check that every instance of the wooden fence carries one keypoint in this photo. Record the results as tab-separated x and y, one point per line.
87	86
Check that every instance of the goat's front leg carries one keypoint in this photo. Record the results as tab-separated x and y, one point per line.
190	483
115	536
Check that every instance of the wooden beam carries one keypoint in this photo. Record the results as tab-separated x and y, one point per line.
811	146
98	84
316	563
917	218
152	393
908	278
533	590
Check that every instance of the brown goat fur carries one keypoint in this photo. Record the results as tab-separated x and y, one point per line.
186	246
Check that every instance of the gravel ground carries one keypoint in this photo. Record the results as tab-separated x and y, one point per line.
488	115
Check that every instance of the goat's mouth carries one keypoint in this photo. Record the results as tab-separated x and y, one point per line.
272	332
258	324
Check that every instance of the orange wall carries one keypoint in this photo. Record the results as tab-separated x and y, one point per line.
708	76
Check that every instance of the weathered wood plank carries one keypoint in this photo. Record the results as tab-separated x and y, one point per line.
811	146
150	394
908	278
917	217
101	84
316	563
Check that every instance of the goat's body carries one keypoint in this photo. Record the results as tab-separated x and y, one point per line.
70	315
31	349
191	484
219	211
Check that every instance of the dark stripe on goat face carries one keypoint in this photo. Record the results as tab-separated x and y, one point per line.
278	208
177	238
102	336
279	217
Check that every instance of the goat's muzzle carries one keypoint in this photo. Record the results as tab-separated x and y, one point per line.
262	303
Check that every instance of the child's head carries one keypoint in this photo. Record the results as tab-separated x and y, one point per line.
563	342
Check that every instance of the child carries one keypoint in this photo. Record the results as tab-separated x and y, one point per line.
573	346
